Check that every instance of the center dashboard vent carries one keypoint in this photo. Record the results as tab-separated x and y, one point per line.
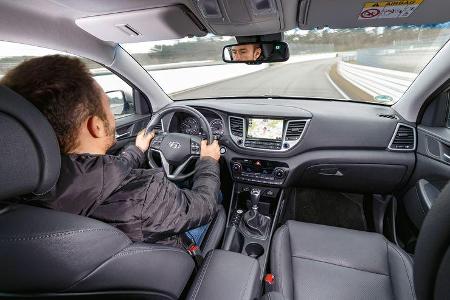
404	138
237	126
295	129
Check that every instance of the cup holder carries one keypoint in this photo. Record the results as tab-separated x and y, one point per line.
254	250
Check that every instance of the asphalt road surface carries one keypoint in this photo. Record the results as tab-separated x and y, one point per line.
302	79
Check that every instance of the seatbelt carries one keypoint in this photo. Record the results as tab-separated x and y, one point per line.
192	249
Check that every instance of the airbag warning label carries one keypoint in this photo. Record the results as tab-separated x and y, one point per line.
388	9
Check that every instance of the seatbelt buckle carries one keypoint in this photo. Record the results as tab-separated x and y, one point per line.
269	282
194	250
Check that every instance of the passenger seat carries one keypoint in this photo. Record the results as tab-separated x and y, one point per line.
311	261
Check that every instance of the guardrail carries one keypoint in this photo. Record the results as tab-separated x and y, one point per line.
376	81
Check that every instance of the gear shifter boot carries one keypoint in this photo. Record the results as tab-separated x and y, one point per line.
256	224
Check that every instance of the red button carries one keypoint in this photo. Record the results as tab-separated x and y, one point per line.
269	278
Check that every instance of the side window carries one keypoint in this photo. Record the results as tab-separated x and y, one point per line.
119	92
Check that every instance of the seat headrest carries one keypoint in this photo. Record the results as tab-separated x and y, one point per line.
29	153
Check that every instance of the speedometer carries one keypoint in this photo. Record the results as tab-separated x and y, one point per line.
216	127
190	126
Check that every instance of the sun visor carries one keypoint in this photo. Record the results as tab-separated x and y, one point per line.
361	13
162	23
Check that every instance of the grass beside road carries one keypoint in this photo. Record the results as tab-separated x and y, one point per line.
347	87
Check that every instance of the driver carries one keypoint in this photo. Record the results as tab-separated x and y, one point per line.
246	52
142	203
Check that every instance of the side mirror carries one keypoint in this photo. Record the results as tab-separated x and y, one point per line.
118	102
256	53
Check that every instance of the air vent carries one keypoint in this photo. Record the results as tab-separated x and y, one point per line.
387	116
404	138
159	126
237	126
294	130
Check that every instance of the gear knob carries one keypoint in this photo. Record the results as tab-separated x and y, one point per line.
254	197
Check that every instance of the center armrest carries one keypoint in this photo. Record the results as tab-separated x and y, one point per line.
226	275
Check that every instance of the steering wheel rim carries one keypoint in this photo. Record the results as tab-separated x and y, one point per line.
168	144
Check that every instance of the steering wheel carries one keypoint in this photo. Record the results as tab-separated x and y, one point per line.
176	149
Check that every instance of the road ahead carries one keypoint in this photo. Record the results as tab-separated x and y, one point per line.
296	79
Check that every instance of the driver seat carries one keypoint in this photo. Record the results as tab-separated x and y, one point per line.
46	253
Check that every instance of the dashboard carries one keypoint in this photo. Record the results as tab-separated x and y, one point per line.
316	143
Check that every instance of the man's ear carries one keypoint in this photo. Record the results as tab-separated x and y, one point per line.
95	127
257	53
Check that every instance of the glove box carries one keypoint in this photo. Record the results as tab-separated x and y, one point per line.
365	178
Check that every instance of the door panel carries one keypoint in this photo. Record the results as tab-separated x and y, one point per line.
432	170
126	130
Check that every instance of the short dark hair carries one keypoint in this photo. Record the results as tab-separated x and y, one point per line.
62	88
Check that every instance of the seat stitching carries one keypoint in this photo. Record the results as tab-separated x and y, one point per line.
406	270
248	279
283	230
199	283
389	266
330	263
58	234
129	252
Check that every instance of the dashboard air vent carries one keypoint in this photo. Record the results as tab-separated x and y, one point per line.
159	126
237	126
404	138
294	130
387	116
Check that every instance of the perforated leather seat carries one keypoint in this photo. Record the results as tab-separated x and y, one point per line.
55	254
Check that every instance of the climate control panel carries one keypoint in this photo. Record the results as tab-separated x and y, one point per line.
259	171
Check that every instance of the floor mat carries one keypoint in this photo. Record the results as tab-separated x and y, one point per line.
327	208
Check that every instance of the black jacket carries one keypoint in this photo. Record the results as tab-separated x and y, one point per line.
143	203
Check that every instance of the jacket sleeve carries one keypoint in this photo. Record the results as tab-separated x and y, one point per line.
169	210
117	168
132	156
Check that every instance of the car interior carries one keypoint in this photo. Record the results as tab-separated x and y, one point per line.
335	164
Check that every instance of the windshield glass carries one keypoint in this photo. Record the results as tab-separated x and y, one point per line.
375	64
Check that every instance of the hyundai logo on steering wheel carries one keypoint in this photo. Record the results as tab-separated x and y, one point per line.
174	145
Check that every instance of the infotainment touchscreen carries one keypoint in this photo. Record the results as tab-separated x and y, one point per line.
269	129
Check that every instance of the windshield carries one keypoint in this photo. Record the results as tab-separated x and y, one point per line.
375	64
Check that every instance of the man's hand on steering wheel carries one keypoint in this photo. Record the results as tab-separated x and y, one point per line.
212	150
143	140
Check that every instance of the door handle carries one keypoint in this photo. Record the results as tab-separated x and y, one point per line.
122	135
446	157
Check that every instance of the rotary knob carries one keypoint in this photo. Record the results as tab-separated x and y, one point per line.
279	173
237	167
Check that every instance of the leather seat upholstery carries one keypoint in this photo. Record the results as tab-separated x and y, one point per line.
313	261
55	254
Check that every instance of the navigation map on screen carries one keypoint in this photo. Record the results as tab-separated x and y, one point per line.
265	129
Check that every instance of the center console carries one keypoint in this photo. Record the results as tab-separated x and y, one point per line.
254	211
259	171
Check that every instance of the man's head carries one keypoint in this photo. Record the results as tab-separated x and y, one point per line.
62	88
246	52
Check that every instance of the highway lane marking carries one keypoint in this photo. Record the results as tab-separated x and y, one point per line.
336	87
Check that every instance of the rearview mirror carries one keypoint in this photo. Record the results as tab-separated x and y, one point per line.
256	53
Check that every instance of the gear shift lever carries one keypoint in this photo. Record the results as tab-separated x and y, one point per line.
254	198
255	223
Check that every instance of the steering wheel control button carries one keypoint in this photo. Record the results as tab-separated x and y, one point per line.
195	147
